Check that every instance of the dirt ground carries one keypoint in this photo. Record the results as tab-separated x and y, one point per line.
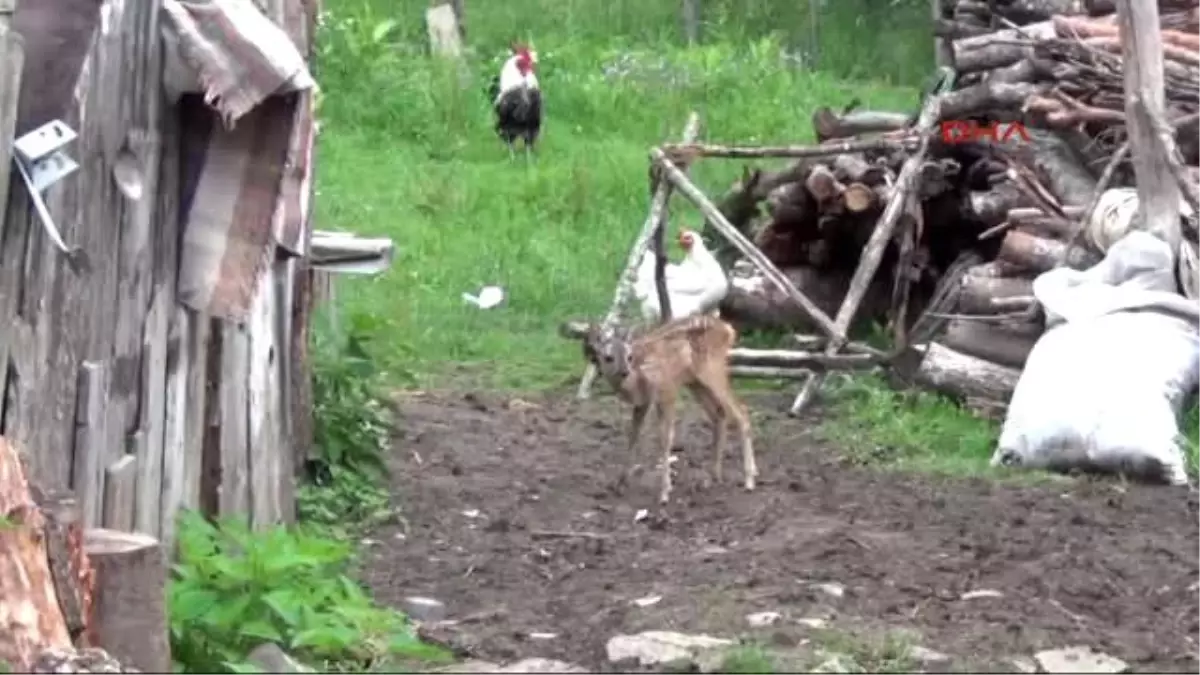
492	487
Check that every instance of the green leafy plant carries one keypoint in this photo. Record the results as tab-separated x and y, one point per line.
352	420
234	589
345	504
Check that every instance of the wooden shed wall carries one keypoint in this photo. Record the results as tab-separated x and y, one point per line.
110	386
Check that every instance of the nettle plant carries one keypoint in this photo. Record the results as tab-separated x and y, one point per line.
234	589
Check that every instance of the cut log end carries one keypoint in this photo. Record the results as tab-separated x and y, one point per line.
129	616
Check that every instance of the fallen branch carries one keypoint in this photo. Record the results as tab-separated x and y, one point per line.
796	151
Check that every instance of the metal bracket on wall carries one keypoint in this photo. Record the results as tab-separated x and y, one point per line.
42	162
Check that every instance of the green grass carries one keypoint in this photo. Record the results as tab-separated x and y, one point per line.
827	650
407	151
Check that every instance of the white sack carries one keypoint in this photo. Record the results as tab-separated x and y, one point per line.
1103	388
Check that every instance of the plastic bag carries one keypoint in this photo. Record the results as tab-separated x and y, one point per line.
1104	387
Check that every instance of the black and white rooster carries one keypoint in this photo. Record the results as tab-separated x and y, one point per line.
517	99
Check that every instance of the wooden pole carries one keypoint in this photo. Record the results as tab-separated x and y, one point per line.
658	208
739	241
1151	140
1151	137
827	149
12	60
691	21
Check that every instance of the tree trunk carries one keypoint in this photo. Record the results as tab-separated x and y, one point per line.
129	613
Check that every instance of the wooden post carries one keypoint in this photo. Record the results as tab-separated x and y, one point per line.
445	35
658	208
691	21
12	60
1151	139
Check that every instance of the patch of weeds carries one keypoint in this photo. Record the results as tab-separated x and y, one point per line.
874	424
346	491
1191	433
234	589
890	653
748	659
345	503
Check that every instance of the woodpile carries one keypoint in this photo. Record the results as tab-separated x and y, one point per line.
75	600
1030	135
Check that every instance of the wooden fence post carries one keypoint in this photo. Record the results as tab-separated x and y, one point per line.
12	60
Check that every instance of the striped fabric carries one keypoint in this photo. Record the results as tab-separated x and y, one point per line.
247	151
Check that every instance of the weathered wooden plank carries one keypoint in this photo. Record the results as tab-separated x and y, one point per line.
175	430
210	450
132	153
264	400
90	419
153	411
12	60
300	389
120	479
178	438
234	493
284	298
191	383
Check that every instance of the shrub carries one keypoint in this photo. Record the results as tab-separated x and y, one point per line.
234	589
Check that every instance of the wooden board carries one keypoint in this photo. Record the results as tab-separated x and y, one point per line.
120	481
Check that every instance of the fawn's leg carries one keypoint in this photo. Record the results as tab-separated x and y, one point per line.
718	385
666	421
749	466
636	424
720	427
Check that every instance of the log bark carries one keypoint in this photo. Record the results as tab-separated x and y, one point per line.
69	565
991	207
829	125
29	610
789	359
1000	48
1038	254
853	168
962	376
977	293
823	185
987	97
129	617
1059	168
755	303
989	341
827	149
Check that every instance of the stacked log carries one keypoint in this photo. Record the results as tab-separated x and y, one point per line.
1048	75
74	600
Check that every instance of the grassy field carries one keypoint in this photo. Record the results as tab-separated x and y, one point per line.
407	151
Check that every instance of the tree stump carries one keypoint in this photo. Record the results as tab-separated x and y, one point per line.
129	614
29	612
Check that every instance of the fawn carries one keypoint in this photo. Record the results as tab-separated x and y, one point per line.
649	369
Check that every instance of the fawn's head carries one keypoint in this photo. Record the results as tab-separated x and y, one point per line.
607	349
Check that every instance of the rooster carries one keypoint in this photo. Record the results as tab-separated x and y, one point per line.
517	99
696	285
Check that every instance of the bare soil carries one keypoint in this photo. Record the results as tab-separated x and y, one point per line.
511	522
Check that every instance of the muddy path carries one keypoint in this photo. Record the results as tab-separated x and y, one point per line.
493	488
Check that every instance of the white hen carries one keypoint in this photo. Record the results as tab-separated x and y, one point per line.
696	285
